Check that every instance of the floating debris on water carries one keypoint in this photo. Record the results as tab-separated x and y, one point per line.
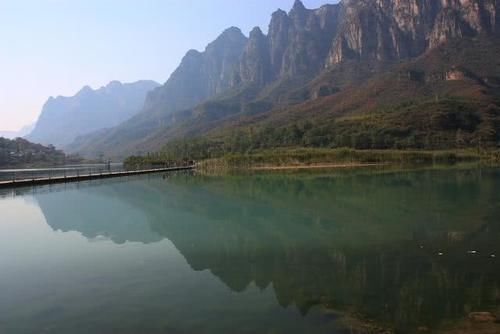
493	256
472	252
440	254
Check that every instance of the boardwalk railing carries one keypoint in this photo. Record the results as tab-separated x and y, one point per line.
16	178
39	173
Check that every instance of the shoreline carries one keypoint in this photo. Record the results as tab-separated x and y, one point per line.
486	322
317	158
319	166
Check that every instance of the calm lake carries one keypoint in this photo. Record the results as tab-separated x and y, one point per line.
260	253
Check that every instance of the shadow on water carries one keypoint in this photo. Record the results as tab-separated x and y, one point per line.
408	249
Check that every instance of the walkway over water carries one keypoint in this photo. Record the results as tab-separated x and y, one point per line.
85	177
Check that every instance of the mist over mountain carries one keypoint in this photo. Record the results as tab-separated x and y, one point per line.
64	118
25	130
385	52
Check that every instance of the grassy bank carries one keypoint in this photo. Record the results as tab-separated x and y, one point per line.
343	157
317	157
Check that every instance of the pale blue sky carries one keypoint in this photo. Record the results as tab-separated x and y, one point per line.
54	47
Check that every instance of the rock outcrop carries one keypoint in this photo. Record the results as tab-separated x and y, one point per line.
200	75
388	30
304	41
297	44
306	54
255	64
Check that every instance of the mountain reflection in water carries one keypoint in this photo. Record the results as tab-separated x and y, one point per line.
408	249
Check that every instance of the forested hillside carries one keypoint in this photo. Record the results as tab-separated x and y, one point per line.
361	73
22	153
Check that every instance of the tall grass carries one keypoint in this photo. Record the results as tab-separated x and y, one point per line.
314	156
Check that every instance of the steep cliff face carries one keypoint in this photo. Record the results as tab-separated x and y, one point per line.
201	75
297	44
497	16
388	30
306	50
255	63
306	54
304	41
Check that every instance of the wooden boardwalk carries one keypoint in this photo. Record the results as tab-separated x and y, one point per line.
85	177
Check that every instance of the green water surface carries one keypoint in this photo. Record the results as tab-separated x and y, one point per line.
258	253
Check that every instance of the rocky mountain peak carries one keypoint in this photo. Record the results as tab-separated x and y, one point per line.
112	87
389	30
191	57
304	46
278	14
201	75
114	84
299	14
255	61
256	33
85	90
298	6
192	54
232	37
230	34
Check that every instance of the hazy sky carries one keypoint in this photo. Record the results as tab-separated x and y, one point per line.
55	47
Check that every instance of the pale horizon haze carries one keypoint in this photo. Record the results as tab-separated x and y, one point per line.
55	47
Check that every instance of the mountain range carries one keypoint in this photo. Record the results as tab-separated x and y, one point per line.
361	73
64	118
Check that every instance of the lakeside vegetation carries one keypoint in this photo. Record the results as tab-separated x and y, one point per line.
19	152
347	156
317	156
445	131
